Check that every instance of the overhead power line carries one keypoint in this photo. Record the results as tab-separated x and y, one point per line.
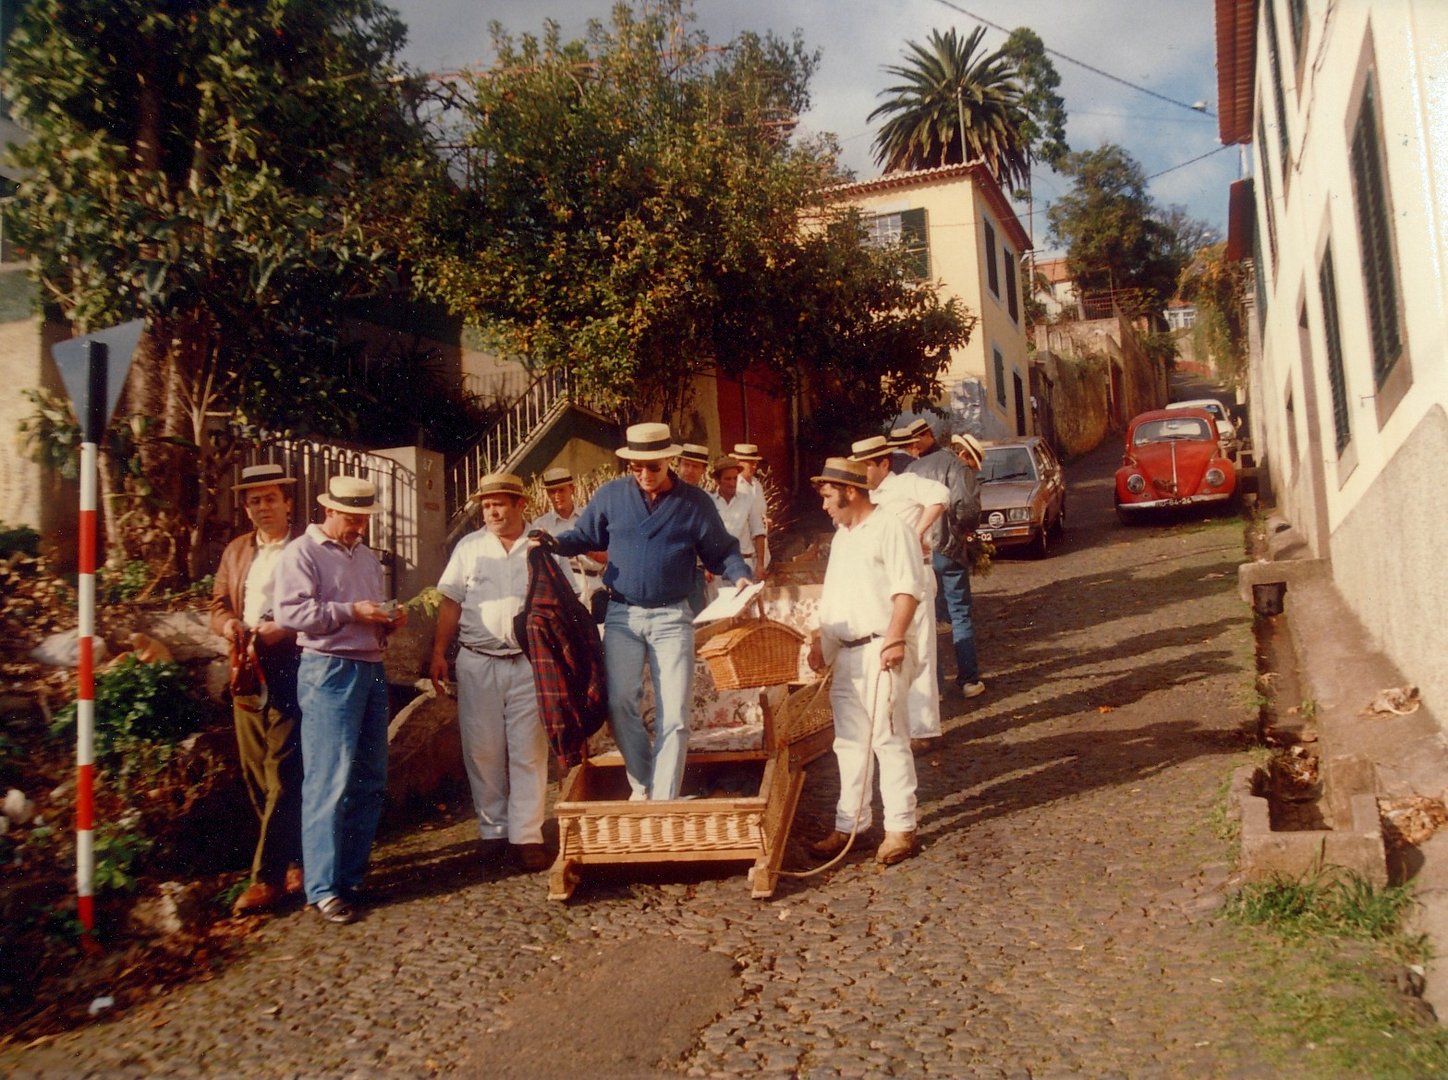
1200	109
1184	164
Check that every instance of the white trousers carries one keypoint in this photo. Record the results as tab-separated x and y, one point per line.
505	749
923	699
852	697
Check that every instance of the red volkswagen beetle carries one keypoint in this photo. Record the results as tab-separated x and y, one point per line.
1173	458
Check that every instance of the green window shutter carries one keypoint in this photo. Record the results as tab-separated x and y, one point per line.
992	273
1336	377
1000	376
1012	303
916	240
1376	237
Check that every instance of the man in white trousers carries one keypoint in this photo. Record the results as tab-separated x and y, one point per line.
874	581
505	749
918	501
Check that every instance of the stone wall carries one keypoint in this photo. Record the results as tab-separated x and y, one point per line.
1080	401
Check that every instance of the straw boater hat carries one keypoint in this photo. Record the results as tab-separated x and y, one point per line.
255	476
723	463
970	444
350	495
648	442
695	452
747	451
841	470
556	477
876	446
918	427
900	438
499	483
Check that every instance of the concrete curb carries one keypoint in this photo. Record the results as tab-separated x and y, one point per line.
1365	756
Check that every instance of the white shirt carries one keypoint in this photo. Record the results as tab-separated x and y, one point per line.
490	585
554	523
754	490
257	592
906	495
744	521
870	563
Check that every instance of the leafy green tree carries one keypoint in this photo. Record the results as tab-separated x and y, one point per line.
1218	287
951	87
638	213
1043	111
230	172
1117	240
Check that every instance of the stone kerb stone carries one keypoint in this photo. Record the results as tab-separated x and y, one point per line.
1267	852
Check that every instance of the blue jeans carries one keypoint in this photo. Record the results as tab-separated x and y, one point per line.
664	636
953	581
344	768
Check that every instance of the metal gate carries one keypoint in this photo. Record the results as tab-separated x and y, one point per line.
313	464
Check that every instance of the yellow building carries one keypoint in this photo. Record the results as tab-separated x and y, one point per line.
967	238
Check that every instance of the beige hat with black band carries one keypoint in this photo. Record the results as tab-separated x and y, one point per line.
350	495
556	477
747	451
900	438
876	446
255	476
841	470
499	483
648	442
918	427
970	444
695	452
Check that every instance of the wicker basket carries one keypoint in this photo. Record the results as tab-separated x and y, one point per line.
805	711
752	654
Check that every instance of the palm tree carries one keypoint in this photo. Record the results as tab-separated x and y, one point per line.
947	87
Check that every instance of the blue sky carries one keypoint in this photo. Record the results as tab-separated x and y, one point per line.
1167	47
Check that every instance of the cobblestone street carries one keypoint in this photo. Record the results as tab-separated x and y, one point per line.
1059	921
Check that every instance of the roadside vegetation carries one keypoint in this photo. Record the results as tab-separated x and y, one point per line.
1345	975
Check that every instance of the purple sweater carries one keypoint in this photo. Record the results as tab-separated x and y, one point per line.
317	582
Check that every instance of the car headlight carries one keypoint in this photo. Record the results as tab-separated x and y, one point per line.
996	519
1216	477
1136	483
1018	513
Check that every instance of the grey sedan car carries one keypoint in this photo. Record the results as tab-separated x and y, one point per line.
1022	494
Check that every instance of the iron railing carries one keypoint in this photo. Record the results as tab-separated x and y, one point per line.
502	444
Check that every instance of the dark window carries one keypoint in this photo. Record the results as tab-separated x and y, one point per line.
1267	189
1012	303
1284	144
1000	376
1297	16
1336	378
906	228
1375	233
992	274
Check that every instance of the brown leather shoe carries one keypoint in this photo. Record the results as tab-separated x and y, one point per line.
294	882
258	897
830	845
532	858
897	847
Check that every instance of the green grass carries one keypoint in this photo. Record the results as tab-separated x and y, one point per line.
1330	1005
1329	900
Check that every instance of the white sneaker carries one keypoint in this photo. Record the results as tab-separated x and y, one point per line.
970	690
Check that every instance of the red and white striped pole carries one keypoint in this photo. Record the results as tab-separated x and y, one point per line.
94	423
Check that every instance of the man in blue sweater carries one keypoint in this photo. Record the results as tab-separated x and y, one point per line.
654	527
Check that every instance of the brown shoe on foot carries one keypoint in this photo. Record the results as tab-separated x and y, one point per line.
830	845
923	746
897	847
294	881
532	858
259	896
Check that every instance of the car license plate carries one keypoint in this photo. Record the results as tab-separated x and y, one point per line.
984	534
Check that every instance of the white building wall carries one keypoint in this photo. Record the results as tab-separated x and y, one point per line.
1376	508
